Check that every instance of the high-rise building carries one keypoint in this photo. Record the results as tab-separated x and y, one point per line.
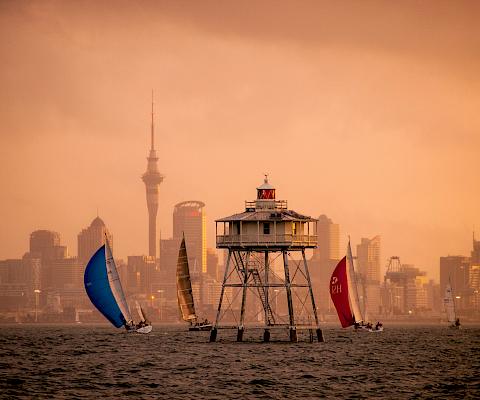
456	270
46	246
189	219
328	235
90	239
475	254
152	179
368	262
12	285
325	258
212	265
141	270
368	256
168	268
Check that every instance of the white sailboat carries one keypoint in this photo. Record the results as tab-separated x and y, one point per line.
144	326
449	303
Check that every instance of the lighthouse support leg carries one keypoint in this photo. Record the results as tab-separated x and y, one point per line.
266	333
213	333
292	328
244	298
307	275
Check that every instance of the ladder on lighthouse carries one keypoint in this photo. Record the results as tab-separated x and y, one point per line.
261	294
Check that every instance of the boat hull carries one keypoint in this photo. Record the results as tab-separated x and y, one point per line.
454	326
144	329
207	327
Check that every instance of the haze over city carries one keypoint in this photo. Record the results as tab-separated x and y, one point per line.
378	131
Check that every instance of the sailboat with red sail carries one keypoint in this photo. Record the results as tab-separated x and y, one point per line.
344	294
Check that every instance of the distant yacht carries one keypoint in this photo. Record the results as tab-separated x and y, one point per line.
185	293
449	303
105	291
344	294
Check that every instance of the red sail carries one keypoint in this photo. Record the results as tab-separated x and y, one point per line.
339	293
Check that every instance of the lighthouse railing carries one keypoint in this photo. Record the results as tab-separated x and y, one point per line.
271	239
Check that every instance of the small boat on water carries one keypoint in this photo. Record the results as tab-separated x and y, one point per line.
344	294
450	310
185	294
105	291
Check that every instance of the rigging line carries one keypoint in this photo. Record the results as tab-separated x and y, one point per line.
297	267
229	307
302	302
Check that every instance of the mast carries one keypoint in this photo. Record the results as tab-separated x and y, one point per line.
184	286
453	297
115	283
353	286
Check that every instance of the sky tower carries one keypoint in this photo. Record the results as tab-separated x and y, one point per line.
152	178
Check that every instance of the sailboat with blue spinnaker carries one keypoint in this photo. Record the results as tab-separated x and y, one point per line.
105	291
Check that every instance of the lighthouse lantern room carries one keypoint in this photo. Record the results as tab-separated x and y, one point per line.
266	268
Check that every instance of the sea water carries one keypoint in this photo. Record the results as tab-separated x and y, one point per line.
102	362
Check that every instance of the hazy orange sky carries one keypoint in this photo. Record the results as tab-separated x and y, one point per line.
365	111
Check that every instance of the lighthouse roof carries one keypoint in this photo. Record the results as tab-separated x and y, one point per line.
270	215
265	184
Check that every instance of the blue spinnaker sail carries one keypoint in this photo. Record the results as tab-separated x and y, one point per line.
99	291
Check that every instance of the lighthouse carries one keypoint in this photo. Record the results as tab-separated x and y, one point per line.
258	240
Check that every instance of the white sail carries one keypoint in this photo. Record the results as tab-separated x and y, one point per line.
364	301
115	283
352	286
140	312
449	303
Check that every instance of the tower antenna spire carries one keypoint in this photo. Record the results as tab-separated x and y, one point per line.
152	129
152	179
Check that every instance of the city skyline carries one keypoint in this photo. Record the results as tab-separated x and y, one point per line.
390	140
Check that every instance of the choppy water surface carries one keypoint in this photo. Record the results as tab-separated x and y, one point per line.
99	361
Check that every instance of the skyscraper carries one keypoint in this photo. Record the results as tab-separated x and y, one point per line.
368	261
90	239
45	245
368	255
189	218
325	258
328	238
152	179
456	271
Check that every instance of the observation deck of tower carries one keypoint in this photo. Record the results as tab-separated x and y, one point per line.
152	179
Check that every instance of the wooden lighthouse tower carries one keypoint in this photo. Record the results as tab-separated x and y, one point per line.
266	283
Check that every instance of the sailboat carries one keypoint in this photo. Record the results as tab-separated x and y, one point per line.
105	291
449	303
144	325
185	293
344	294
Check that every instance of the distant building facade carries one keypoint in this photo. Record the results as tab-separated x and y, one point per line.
325	258
189	219
456	270
92	238
369	269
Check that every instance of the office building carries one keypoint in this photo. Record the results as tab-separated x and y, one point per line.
189	219
91	239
